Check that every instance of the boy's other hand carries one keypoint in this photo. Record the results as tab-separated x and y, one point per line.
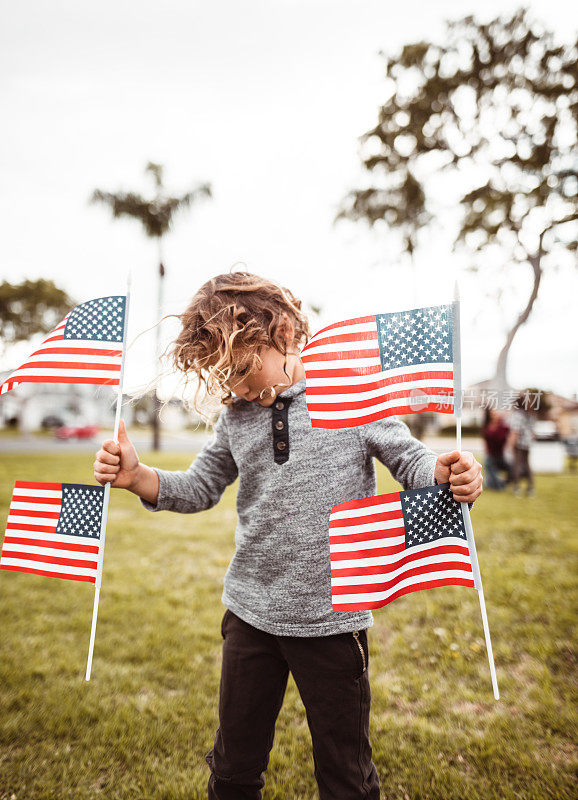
463	472
117	462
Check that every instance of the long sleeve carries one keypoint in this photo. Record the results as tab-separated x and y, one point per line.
203	483
410	462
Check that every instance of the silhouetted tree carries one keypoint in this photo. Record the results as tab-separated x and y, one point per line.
156	215
495	106
29	308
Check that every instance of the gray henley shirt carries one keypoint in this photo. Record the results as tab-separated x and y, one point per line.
279	578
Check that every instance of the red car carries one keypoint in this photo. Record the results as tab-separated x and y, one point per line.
77	431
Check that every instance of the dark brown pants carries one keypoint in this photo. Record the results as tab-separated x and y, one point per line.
522	467
331	675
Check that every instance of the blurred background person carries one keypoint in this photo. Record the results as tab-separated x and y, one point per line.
495	433
520	441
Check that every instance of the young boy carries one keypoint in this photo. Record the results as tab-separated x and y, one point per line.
241	335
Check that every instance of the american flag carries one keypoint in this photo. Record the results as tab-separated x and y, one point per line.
367	368
54	529
385	546
86	347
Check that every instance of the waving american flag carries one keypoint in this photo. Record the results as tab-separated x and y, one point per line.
54	529
86	347
363	369
386	546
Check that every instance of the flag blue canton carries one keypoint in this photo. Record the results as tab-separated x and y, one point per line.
100	320
431	514
419	336
81	511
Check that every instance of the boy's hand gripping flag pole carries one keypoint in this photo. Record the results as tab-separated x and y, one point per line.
107	488
464	506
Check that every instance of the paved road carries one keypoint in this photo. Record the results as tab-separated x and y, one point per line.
445	444
31	443
182	441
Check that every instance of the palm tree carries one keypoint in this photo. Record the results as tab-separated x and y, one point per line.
156	216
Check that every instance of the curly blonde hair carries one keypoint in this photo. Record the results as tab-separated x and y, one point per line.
228	321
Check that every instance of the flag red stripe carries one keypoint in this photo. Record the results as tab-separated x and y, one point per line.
69	365
65	562
379	569
36	528
415	587
344	323
362	336
383	517
377	551
37	485
345	372
23	498
350	422
367	387
341	356
64	379
352	405
364	502
18	512
364	588
81	548
86	578
366	537
88	351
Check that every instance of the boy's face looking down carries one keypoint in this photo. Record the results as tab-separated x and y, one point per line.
255	386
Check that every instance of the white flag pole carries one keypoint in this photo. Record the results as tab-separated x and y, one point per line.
464	506
107	487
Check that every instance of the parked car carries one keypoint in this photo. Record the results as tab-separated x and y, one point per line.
52	421
59	419
77	431
545	430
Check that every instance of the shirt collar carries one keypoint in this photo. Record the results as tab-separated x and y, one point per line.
293	391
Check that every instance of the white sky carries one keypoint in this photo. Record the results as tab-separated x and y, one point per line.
264	99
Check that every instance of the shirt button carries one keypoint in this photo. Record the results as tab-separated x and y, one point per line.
279	405
281	445
279	425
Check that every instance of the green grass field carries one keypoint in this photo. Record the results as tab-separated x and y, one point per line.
141	727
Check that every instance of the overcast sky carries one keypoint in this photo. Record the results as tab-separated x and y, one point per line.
264	99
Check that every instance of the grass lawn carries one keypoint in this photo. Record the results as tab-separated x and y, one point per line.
141	727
